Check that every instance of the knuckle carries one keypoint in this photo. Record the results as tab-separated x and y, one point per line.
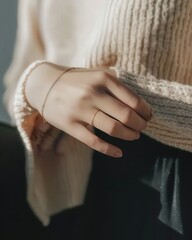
89	89
93	142
101	76
116	82
112	128
87	94
112	82
137	102
127	116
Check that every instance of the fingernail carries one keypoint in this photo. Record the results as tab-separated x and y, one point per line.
138	136
118	153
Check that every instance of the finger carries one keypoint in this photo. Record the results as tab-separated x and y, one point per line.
113	127
43	127
39	130
121	112
49	138
83	134
127	96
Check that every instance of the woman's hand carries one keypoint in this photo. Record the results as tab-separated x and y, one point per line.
83	99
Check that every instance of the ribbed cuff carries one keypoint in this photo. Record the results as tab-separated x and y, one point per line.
158	87
22	109
171	104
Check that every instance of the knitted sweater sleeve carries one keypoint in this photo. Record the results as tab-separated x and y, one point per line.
55	182
172	108
52	186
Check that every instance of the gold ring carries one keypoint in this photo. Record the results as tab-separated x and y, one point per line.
92	122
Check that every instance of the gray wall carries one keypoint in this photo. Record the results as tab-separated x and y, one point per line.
8	12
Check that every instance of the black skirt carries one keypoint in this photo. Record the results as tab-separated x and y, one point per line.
145	195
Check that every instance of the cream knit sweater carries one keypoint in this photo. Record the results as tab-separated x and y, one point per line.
149	44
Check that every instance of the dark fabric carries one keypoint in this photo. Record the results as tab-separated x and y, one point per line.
16	218
145	195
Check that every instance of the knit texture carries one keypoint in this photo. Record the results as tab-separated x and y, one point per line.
147	38
171	103
147	42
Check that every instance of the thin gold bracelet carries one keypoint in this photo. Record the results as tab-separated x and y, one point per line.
44	103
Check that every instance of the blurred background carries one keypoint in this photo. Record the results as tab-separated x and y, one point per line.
8	12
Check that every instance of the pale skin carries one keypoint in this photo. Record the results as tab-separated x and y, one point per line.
81	99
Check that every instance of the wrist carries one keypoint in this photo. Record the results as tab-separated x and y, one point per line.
39	82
